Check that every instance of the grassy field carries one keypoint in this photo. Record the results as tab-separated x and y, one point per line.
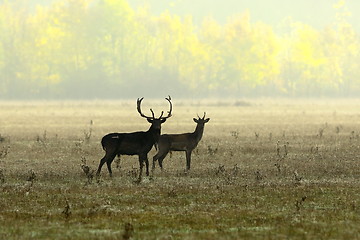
264	170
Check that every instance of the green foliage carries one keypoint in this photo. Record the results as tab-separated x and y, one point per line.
105	48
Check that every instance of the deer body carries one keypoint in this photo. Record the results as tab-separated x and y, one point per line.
134	143
186	142
131	143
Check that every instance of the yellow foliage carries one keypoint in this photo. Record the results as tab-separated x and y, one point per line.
339	4
76	40
54	79
307	46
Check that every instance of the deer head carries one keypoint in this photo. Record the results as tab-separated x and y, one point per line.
202	120
155	122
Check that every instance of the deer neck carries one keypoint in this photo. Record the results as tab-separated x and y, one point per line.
199	130
154	134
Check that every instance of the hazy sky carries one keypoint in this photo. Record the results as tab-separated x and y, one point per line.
317	13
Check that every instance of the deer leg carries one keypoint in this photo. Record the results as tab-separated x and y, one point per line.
163	149
108	163
188	160
161	155
156	157
141	162
160	164
117	161
108	158
154	160
104	160
161	159
147	166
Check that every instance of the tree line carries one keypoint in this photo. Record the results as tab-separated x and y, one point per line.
106	49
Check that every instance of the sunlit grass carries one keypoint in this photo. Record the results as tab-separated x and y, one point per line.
260	171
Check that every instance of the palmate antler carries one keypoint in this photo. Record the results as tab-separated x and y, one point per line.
139	100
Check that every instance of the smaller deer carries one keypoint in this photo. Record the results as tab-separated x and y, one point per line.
185	142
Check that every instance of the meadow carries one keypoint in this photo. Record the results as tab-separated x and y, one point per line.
265	169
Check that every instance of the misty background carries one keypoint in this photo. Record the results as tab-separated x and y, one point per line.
118	49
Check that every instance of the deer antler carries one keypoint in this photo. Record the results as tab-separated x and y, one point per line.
169	112
139	109
139	100
202	117
152	112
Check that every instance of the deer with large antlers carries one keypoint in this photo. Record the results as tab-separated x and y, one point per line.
135	143
185	142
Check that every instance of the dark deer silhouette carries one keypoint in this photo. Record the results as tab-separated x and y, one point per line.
135	143
185	142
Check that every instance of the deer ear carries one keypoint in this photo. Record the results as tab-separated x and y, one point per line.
149	120
206	120
195	120
163	120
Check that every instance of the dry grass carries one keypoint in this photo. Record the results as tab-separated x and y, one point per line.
264	169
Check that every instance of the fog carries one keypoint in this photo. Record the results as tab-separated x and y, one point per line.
318	14
118	49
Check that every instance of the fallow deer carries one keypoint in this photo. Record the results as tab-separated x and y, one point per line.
185	142
135	143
